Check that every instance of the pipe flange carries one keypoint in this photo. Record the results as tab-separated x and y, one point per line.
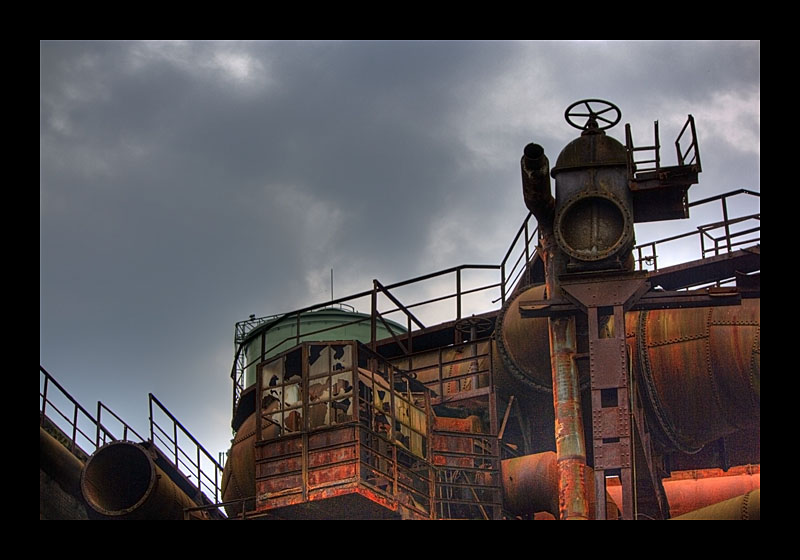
593	226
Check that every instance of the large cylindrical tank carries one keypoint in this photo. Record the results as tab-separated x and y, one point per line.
524	344
699	369
238	476
328	323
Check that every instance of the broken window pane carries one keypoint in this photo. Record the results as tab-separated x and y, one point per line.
318	360
341	357
319	390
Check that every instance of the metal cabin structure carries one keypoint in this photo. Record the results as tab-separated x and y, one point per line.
599	384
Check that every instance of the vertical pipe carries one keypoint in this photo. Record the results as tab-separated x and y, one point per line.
574	476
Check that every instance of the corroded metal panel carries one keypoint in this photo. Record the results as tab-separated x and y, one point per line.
700	369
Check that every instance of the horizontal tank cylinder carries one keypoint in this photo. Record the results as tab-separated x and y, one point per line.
699	369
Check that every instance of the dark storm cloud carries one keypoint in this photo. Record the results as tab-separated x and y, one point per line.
184	186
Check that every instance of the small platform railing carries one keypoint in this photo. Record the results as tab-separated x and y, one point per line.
713	239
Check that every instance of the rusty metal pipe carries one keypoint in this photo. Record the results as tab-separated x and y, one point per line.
530	486
575	486
575	482
61	465
536	184
746	507
122	481
689	491
60	481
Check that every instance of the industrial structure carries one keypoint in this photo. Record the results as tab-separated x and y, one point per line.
599	385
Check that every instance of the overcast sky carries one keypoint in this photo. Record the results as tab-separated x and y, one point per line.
187	185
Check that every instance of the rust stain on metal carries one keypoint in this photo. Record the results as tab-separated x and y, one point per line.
575	489
700	369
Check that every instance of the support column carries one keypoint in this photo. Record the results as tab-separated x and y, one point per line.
612	431
611	417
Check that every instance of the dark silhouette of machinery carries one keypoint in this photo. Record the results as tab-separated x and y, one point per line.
601	387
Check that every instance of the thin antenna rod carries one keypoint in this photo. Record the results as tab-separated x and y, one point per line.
331	284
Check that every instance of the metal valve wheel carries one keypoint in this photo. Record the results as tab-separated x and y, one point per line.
480	324
595	110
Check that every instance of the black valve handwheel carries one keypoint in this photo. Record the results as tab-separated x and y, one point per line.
593	110
480	324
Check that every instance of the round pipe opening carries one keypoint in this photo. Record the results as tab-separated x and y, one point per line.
533	151
117	478
592	228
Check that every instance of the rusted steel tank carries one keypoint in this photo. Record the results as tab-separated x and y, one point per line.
524	345
530	484
122	481
239	477
699	369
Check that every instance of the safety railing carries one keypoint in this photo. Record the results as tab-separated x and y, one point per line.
200	467
83	433
386	304
454	372
58	409
468	482
692	149
642	164
106	428
686	157
714	238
